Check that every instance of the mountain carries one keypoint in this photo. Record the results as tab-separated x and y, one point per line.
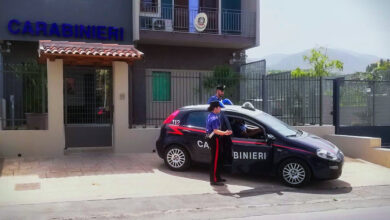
353	62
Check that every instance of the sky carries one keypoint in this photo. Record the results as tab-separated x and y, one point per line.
291	26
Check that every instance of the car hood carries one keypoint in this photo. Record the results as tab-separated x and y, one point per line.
315	142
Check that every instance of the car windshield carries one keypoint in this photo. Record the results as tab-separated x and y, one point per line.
278	125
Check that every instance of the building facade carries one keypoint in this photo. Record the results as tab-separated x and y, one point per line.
52	103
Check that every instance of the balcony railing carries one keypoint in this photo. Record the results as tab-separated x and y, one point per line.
181	19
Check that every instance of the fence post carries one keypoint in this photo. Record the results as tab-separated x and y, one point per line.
12	101
373	103
1	91
219	17
264	93
200	87
336	103
321	99
43	89
303	104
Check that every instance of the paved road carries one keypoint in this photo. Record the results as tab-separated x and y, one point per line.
96	176
271	204
101	186
377	213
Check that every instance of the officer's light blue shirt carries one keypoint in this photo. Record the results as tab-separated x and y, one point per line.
242	128
212	123
213	99
238	129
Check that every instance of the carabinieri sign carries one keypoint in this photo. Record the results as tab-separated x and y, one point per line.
65	30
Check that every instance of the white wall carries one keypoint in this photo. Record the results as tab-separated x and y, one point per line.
128	140
320	131
41	142
366	148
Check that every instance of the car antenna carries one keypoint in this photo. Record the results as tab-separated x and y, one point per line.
249	106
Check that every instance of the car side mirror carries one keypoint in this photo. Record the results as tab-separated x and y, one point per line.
270	139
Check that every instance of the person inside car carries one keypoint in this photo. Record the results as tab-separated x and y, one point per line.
213	136
241	131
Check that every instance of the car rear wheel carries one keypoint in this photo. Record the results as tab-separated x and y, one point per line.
177	158
294	173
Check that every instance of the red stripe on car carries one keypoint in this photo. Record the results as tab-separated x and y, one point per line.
276	145
216	159
247	142
292	148
176	129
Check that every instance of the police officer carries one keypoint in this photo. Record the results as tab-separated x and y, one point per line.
213	135
218	96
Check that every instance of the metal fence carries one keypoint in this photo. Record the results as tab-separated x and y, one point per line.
364	103
24	101
167	91
87	95
181	18
362	108
297	101
294	100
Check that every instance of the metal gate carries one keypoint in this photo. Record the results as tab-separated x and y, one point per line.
88	106
362	108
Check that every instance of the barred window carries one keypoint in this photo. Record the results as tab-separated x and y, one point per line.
149	6
161	86
24	102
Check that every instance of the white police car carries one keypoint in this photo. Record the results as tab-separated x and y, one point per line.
275	148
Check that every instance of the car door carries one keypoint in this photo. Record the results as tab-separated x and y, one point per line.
194	130
249	154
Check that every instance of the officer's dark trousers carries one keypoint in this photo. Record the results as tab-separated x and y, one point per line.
216	157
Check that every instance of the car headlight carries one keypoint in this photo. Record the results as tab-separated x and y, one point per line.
327	155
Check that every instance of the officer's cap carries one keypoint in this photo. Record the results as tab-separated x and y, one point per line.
214	105
221	87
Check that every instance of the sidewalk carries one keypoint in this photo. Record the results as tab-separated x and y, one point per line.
102	175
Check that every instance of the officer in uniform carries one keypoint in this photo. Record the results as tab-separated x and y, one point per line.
219	94
213	135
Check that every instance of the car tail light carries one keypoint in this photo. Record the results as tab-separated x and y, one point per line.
171	117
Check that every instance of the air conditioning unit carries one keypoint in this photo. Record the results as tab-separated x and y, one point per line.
162	24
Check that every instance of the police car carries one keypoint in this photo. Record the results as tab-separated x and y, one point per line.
278	149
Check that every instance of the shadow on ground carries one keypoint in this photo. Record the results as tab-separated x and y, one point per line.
98	163
259	185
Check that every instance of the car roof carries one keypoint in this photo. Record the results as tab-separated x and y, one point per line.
228	108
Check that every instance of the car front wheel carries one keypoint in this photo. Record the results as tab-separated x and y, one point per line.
177	158
294	173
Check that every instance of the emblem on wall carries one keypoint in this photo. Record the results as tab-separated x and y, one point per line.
200	22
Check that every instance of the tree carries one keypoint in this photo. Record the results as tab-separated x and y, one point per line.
321	65
275	71
224	75
376	71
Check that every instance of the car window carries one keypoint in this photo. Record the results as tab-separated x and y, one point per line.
278	125
197	119
245	129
